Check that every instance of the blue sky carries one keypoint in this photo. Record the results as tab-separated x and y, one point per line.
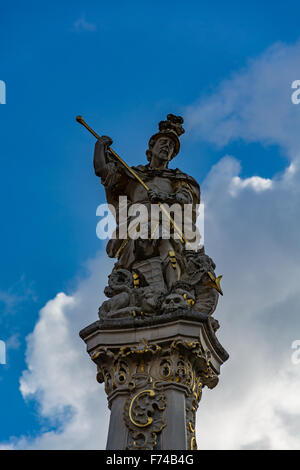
123	66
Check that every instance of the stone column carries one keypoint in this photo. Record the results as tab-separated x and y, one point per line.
153	377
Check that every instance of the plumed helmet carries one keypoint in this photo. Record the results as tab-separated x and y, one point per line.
172	128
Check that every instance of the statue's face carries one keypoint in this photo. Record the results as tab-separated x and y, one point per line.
163	148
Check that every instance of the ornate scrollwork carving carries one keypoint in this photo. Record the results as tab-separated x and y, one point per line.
139	349
165	370
122	373
144	419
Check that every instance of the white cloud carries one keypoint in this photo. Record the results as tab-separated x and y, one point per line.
254	237
261	411
254	104
256	183
6	447
60	375
252	232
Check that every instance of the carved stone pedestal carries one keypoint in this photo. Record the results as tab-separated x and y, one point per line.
154	376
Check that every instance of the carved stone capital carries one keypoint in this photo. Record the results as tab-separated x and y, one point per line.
151	373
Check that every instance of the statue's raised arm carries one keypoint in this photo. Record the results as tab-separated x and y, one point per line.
101	156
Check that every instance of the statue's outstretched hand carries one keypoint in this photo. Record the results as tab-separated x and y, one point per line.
105	141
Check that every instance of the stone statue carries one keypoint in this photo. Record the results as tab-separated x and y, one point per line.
155	343
153	268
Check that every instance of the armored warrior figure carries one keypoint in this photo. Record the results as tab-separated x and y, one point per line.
153	269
